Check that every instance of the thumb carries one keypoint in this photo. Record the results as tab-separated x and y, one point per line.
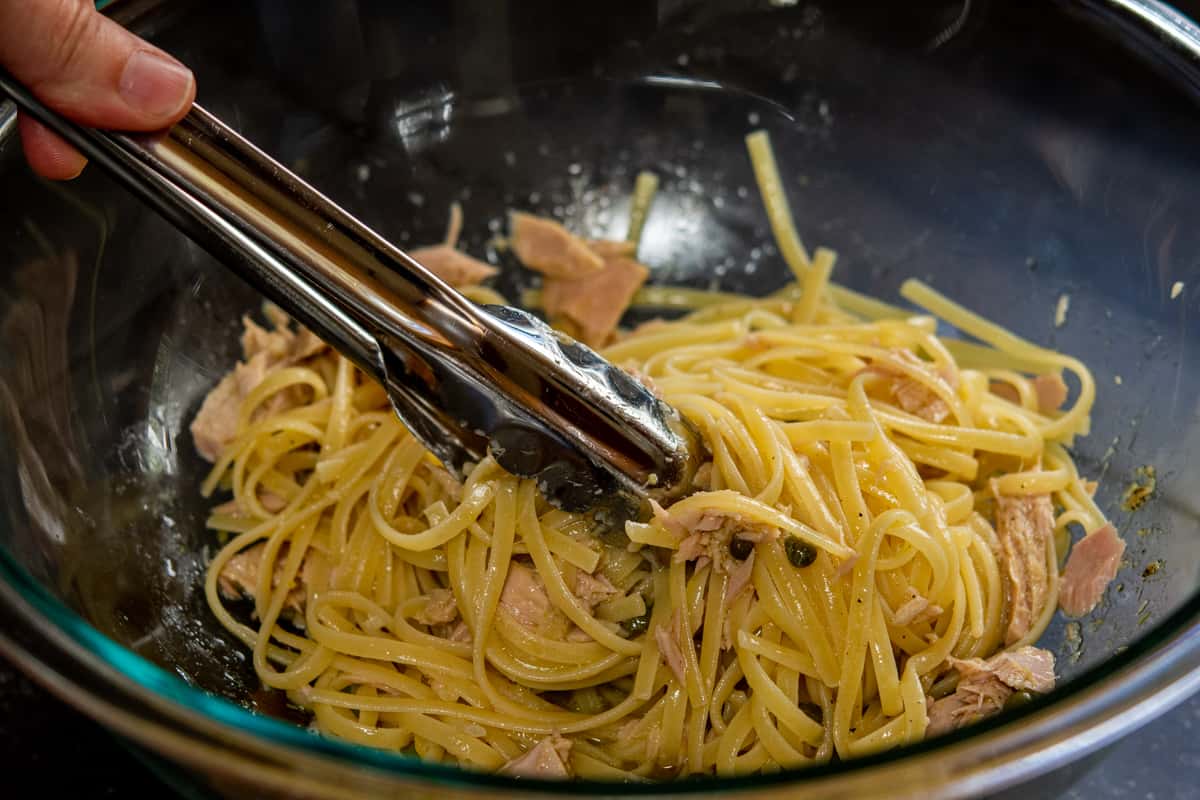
89	68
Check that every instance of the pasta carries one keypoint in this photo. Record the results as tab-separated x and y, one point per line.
835	572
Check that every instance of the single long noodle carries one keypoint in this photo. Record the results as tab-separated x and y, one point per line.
669	674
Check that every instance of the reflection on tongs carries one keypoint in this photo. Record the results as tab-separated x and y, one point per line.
466	380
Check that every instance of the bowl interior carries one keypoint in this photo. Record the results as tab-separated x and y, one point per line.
1007	176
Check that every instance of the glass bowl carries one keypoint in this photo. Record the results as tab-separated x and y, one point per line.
1010	154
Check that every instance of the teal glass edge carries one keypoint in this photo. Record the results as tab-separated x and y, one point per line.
155	679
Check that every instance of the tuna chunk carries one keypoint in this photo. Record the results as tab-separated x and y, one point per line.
593	589
264	351
239	577
281	341
257	339
701	535
1051	392
454	631
1050	389
667	637
1024	669
595	303
1005	390
577	634
917	609
588	284
549	758
668	520
916	398
740	579
453	266
216	423
547	247
959	709
441	608
1024	525
306	344
460	633
694	547
612	248
707	539
523	596
912	395
984	686
705	536
1092	565
272	502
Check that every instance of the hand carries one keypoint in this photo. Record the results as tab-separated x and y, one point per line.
89	69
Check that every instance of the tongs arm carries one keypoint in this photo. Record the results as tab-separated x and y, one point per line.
467	380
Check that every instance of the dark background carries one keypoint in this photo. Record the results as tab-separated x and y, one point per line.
71	755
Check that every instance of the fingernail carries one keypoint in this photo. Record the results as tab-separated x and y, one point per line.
154	84
83	162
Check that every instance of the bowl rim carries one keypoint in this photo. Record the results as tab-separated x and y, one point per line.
165	713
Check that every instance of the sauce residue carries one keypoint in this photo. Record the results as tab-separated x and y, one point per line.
1142	489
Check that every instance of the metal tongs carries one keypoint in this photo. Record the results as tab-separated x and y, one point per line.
467	380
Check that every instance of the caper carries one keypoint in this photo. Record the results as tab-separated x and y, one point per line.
1018	699
799	552
635	625
740	548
